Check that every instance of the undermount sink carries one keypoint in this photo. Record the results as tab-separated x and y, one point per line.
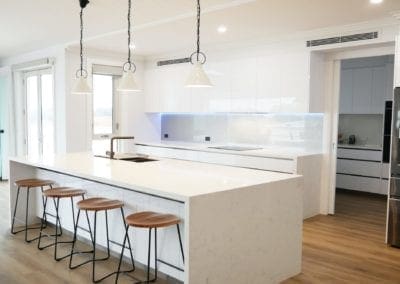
130	159
138	160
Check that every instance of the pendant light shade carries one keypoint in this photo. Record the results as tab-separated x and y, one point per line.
128	82
198	78
81	86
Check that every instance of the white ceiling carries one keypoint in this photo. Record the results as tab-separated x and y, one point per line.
167	25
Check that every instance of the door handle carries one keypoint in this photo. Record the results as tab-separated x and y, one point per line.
1	131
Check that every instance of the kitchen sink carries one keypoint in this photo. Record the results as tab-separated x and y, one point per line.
138	160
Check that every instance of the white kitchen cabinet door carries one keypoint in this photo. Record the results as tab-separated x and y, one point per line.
269	84
243	85
346	92
174	96
389	81
165	89
359	154
152	90
219	98
378	90
363	168
295	75
365	184
362	90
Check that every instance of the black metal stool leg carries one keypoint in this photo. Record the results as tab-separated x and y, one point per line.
15	212
26	215
94	246
180	242
74	239
42	223
126	239
155	254
148	257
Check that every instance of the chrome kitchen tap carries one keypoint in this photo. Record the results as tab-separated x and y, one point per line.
112	153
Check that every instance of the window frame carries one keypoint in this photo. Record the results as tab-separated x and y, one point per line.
39	72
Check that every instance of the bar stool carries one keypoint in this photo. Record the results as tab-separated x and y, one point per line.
97	204
29	184
150	220
56	194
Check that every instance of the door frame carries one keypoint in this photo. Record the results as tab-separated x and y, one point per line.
332	93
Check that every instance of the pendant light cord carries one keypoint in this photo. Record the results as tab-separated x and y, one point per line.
129	31
200	56
198	29
81	41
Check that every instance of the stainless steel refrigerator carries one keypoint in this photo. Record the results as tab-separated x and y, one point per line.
393	228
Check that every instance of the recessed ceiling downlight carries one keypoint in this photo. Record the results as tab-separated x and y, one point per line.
375	1
222	29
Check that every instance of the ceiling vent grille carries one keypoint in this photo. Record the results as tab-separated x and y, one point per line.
341	39
173	61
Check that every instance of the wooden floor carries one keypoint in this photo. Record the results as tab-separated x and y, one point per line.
346	248
349	246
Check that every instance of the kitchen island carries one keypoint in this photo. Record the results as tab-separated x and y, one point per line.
239	225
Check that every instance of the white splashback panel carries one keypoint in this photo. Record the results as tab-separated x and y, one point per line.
289	130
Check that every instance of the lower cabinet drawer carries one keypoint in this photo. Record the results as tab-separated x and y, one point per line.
366	184
363	168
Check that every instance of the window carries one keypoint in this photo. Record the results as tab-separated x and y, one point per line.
105	106
39	98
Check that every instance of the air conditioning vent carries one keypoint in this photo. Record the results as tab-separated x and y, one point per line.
341	39
173	61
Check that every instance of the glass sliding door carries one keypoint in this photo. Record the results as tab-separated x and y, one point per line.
39	112
105	106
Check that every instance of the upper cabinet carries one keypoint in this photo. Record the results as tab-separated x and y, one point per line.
365	85
258	84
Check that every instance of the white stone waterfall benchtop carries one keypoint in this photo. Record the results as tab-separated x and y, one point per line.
170	178
238	225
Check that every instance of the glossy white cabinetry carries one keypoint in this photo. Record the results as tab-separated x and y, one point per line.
359	154
364	168
365	184
346	91
264	83
362	90
366	85
361	170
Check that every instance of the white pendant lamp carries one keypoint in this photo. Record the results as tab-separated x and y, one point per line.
198	78
81	84
128	82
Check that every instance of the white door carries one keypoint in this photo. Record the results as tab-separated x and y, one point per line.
39	112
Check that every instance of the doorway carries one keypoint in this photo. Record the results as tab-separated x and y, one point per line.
39	112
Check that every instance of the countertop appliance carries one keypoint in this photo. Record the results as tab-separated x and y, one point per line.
352	139
393	227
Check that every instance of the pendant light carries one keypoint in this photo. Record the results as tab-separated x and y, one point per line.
128	81
198	78
81	85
